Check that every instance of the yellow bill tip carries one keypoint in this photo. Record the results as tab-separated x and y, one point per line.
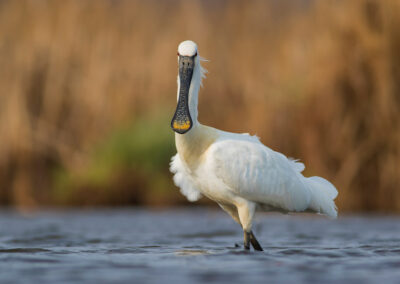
181	125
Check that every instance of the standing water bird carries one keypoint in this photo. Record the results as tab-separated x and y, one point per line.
236	170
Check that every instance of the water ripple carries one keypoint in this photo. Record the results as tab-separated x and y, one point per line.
195	246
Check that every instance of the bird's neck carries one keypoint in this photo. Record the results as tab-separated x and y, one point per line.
194	93
196	141
192	145
198	74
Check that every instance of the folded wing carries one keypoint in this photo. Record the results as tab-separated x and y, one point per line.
257	173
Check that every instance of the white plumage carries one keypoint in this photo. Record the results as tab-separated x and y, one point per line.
240	173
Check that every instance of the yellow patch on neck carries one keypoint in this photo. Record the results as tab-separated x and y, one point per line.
182	126
191	148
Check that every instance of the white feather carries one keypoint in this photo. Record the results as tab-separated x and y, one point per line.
323	194
183	180
259	174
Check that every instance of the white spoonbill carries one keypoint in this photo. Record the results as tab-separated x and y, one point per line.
236	170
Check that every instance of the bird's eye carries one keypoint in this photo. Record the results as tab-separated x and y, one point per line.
195	54
177	53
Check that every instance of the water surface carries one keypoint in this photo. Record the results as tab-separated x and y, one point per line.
195	246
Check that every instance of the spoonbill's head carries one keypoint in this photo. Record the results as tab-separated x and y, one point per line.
187	53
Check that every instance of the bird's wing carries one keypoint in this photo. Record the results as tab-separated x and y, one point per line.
257	173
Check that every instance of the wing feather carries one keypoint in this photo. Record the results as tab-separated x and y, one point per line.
255	172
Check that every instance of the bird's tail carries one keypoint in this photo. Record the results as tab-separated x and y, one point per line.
323	194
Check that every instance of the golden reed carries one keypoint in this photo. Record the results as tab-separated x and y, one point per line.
317	80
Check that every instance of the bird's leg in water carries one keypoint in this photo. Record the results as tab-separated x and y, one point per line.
246	210
256	245
246	240
249	238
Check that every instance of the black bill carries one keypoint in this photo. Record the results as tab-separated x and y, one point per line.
182	122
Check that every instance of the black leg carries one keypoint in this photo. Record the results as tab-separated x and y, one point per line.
246	240
256	245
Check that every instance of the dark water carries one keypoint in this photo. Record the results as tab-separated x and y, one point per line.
194	246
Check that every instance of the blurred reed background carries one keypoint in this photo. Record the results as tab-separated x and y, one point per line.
88	88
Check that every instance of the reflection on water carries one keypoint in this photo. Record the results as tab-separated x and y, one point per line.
194	246
193	252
